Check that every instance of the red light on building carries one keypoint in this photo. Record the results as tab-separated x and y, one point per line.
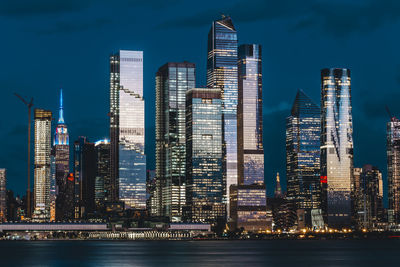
324	179
71	177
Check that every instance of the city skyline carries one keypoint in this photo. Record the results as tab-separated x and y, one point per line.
269	170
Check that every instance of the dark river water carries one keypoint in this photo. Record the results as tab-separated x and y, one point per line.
202	253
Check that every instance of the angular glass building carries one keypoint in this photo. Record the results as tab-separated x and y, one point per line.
248	198
222	73
204	156
303	131
393	165
173	80
336	146
127	129
61	150
42	164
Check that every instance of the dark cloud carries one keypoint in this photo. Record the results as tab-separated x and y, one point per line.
74	26
375	106
336	17
23	8
20	8
19	130
93	128
283	106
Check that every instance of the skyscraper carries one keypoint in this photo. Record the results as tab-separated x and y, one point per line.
393	165
173	80
371	186
303	131
53	186
336	146
128	161
249	207
204	155
103	181
61	150
3	196
84	177
42	164
222	73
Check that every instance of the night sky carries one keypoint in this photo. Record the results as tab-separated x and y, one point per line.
49	44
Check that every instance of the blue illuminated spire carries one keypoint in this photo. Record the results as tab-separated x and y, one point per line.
61	114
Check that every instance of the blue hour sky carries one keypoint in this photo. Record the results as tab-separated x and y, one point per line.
50	44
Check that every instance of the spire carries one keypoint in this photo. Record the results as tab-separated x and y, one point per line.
61	114
278	189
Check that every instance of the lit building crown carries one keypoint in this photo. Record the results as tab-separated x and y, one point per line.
61	136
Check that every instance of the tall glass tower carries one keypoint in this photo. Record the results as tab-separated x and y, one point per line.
248	199
303	131
173	80
42	164
128	160
336	146
204	156
61	149
393	165
222	73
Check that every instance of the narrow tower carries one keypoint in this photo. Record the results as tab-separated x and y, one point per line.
222	73
61	150
393	167
42	164
127	129
336	146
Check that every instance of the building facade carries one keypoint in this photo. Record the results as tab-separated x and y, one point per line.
303	131
336	146
3	195
222	73
53	186
393	168
248	199
173	80
42	164
204	156
127	129
84	177
371	187
61	147
103	179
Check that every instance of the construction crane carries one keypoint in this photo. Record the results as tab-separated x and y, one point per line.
392	118
28	191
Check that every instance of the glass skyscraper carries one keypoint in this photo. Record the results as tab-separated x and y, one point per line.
42	164
393	165
222	73
303	131
127	129
204	155
248	198
336	146
61	150
173	80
